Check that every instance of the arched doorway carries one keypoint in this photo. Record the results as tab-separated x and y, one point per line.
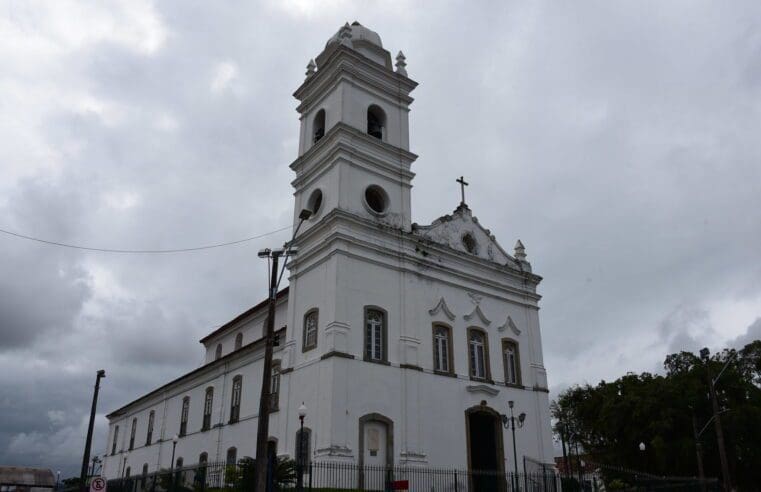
376	451
486	455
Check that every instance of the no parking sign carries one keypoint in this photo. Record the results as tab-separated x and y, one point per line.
98	484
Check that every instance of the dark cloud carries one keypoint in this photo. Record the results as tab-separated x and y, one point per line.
619	143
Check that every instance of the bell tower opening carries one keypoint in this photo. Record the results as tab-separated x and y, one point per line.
318	127
376	122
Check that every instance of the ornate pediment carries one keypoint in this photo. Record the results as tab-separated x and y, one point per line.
509	323
442	307
479	314
461	231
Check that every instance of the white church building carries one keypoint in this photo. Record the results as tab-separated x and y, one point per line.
405	342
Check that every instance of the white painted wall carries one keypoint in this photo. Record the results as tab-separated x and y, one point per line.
349	259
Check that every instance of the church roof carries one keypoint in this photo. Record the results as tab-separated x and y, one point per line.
282	293
255	345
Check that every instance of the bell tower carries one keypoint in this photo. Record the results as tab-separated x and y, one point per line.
354	153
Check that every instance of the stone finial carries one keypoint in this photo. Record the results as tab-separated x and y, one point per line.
344	35
520	251
310	68
401	64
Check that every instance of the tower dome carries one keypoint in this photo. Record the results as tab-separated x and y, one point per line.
360	39
358	33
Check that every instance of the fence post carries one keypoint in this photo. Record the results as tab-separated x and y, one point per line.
455	481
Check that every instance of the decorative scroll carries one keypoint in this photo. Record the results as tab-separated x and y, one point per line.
510	324
442	306
477	312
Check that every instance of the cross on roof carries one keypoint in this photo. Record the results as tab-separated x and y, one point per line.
463	184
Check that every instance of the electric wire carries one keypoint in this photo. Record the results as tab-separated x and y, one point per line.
142	251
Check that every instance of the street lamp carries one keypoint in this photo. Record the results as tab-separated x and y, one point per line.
175	438
88	443
510	423
300	459
262	430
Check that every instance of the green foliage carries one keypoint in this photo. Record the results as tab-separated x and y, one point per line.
609	420
285	473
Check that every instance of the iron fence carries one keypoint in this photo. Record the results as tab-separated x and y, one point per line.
334	477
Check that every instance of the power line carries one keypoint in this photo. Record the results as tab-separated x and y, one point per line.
141	251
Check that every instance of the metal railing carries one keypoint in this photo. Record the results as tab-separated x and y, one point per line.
338	476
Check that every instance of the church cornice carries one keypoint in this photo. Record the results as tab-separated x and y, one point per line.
343	140
454	268
343	62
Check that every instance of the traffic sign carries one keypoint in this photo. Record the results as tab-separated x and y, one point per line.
98	484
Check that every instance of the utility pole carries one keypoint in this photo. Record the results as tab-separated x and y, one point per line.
726	482
698	450
88	443
262	430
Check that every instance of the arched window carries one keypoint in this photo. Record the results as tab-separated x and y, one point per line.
318	127
375	335
184	416
208	403
218	353
232	456
116	438
478	353
203	458
511	360
275	386
149	434
128	472
235	399
238	341
310	330
180	462
144	476
442	349
303	447
376	122
132	434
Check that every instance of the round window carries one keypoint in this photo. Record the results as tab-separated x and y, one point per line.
376	199
315	202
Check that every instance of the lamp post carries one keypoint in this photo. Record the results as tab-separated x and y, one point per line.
175	438
510	423
57	479
704	353
300	459
88	442
262	430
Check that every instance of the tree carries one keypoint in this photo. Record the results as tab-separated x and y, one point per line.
609	420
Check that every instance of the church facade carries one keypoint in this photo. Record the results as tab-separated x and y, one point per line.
405	342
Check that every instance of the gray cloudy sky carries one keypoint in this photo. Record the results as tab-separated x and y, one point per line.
619	141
